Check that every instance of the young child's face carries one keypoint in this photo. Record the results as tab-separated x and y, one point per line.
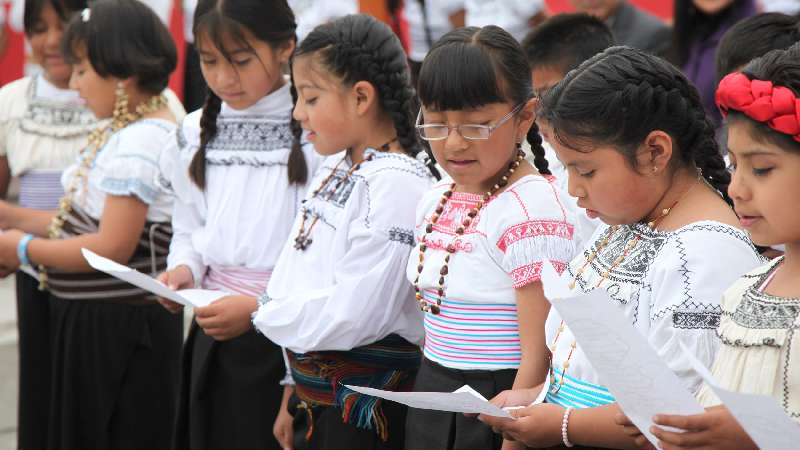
98	92
764	186
605	183
322	108
45	40
476	163
545	77
251	73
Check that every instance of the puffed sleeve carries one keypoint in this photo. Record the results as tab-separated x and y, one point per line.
188	212
370	296
531	227
688	289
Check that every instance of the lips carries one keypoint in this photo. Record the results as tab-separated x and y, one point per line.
460	162
592	214
748	221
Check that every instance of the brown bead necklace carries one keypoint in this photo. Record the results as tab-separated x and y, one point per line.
303	238
451	249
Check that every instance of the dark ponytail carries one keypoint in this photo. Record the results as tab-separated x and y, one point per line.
270	21
471	67
361	48
208	129
618	97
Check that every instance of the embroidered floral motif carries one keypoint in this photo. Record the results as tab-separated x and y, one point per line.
530	273
250	134
455	210
758	310
694	320
533	228
402	236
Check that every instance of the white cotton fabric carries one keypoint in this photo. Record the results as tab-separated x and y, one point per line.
244	215
347	288
670	287
438	15
511	15
127	165
760	349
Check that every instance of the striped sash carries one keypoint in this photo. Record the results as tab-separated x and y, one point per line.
575	393
150	257
40	189
389	364
234	279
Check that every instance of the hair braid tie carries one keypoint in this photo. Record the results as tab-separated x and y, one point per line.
760	100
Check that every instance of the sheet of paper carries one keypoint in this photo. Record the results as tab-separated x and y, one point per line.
461	401
625	362
760	416
186	297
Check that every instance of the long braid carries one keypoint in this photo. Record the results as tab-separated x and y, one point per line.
539	159
208	129
297	167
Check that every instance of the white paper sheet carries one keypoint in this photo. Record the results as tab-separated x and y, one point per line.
463	400
760	416
186	297
627	365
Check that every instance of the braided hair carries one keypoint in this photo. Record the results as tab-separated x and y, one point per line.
471	67
271	21
360	48
620	96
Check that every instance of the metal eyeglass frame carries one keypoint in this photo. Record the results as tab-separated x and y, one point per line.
489	129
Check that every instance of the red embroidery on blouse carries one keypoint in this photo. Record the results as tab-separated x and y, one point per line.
530	273
533	228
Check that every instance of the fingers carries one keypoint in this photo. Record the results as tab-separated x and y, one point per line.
623	420
695	422
671	439
170	306
643	443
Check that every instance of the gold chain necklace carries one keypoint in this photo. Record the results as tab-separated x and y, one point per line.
451	249
556	387
97	139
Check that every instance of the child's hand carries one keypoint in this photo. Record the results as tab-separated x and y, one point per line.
178	278
630	429
283	428
714	429
537	426
516	397
228	317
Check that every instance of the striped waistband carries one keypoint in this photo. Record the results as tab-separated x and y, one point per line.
40	189
467	335
576	393
241	280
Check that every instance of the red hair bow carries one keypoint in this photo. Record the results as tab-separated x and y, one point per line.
759	100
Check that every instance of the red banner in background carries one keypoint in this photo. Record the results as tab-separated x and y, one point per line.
660	8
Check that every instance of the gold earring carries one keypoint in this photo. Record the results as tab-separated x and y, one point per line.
655	169
121	114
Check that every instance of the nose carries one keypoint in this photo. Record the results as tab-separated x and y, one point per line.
455	141
73	81
299	111
738	190
53	39
575	187
225	76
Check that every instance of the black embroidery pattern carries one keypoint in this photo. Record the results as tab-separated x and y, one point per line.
692	320
49	114
402	236
758	310
250	134
339	188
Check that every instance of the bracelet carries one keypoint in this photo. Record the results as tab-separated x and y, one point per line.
564	423
22	250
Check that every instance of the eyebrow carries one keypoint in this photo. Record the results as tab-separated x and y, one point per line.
302	86
234	52
751	153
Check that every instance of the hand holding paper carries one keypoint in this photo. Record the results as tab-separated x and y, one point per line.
626	364
186	297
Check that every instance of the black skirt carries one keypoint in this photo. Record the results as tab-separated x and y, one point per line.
115	375
330	432
33	325
230	393
437	430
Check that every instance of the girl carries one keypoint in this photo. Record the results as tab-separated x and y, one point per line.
759	311
238	172
43	126
337	299
484	234
641	156
114	349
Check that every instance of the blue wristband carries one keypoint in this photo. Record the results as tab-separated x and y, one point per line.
22	250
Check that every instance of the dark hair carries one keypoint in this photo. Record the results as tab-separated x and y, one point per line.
620	96
754	37
360	48
564	41
781	68
123	39
691	25
471	67
63	8
271	21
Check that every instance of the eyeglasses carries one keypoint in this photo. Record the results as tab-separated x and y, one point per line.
472	132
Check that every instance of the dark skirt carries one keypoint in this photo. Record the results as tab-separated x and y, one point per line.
437	430
33	325
330	432
230	393
115	375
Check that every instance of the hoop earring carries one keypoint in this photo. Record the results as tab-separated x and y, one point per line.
121	115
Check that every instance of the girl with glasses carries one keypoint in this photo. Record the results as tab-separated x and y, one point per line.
483	234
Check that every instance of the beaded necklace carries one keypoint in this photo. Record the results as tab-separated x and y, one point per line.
451	249
303	238
97	139
556	387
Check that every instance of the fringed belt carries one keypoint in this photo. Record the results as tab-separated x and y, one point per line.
389	364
